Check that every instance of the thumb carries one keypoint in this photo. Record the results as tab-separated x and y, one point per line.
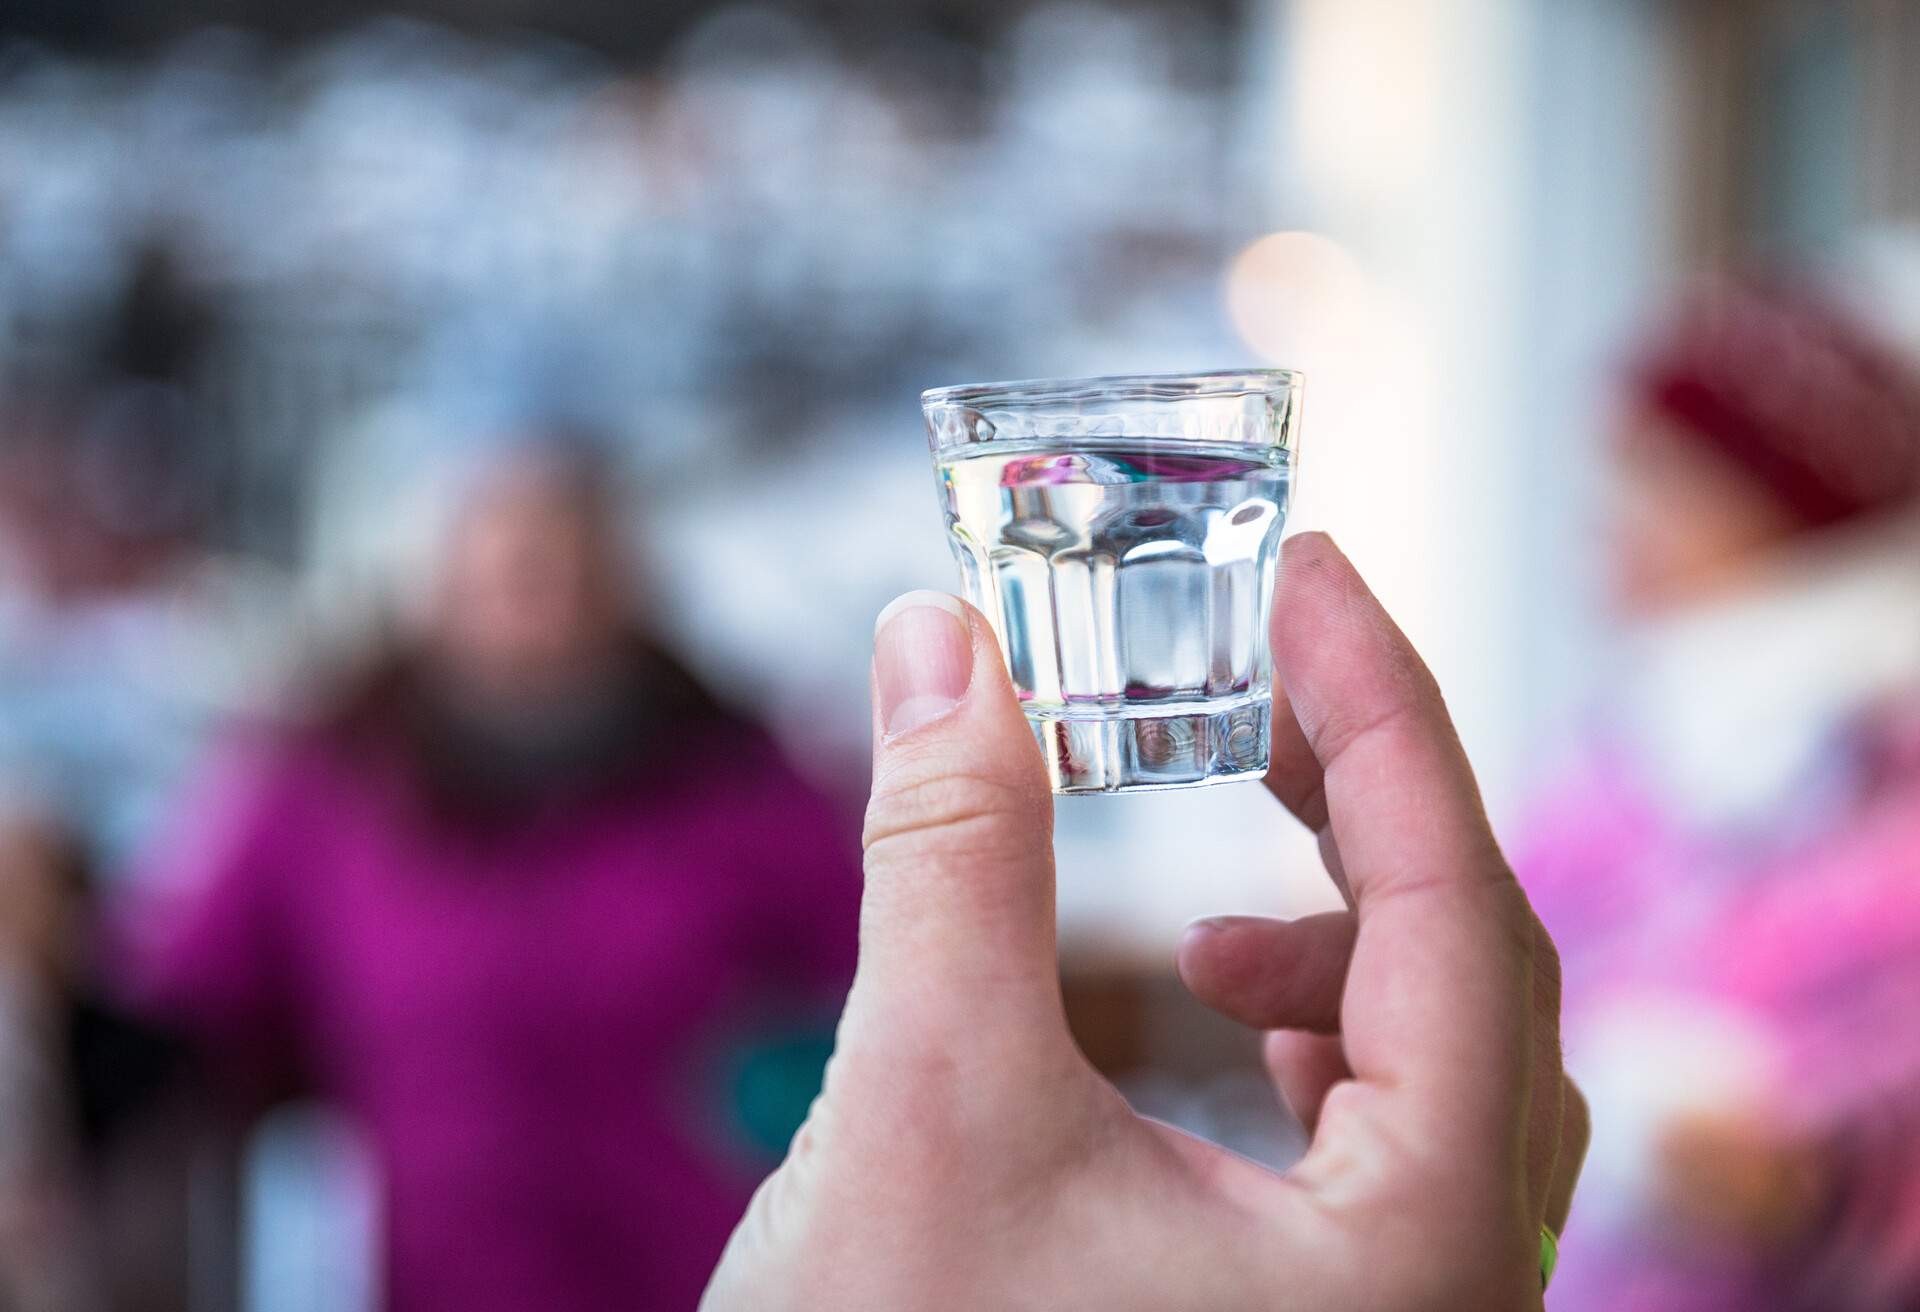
958	918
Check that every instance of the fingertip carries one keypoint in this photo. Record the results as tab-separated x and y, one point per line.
1318	597
1310	543
920	598
923	660
1313	563
1314	554
1197	957
1338	656
1207	926
1190	951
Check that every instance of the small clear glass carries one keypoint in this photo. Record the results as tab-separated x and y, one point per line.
1121	535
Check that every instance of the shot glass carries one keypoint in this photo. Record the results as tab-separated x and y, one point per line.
1121	535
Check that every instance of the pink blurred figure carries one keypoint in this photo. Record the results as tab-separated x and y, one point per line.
1732	867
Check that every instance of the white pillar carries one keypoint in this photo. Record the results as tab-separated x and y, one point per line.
1484	187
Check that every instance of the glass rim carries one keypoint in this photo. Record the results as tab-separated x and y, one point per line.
1118	387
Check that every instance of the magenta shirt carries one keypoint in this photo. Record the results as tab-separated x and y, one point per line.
528	1025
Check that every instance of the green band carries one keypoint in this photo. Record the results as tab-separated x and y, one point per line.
1549	1256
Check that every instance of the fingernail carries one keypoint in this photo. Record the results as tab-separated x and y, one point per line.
1202	927
1195	934
922	659
1190	937
1207	926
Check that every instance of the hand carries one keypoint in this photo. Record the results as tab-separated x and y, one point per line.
1736	1177
963	1155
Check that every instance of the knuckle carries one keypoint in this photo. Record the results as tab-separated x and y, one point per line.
1576	1125
1546	966
1484	893
951	812
1513	915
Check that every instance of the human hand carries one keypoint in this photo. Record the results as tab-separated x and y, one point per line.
964	1155
1737	1177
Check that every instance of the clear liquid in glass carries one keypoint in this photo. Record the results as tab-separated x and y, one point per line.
1129	581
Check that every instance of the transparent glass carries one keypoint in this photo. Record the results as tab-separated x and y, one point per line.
1121	535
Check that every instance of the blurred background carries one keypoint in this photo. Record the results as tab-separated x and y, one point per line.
451	456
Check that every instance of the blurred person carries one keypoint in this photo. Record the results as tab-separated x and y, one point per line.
122	629
94	1147
1732	866
558	932
39	1204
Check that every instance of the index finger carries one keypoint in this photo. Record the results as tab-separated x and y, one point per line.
1436	1007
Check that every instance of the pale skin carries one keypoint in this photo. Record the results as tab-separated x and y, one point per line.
1685	525
964	1154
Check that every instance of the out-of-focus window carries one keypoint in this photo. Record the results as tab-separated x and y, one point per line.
1801	120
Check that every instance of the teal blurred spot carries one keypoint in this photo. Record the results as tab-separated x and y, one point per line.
774	1082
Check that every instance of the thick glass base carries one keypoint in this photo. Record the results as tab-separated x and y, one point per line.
1142	753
